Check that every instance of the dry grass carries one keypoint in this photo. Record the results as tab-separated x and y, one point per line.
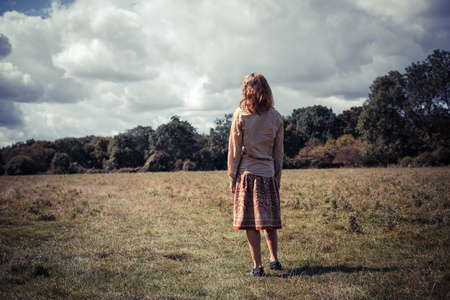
348	234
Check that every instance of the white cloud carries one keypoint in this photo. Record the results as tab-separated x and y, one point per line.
101	67
110	45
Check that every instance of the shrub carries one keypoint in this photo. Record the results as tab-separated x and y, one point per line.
322	158
21	165
425	159
61	163
330	144
159	162
348	156
442	156
2	169
290	163
314	157
303	163
189	166
345	141
204	160
110	164
41	152
76	168
178	165
407	161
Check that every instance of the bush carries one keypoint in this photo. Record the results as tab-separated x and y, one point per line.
290	163
76	168
442	156
425	159
2	169
178	165
204	160
159	162
330	145
61	163
323	158
317	157
407	161
345	141
348	156
21	165
189	166
110	164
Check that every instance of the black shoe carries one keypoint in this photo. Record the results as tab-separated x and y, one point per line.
257	272
275	265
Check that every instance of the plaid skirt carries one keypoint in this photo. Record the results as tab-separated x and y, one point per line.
256	203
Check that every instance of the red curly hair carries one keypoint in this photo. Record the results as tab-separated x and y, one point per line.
257	94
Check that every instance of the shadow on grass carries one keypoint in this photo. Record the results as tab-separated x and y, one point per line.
319	270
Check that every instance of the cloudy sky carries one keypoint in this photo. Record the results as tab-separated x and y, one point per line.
83	67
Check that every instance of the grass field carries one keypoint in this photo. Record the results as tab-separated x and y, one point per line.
347	234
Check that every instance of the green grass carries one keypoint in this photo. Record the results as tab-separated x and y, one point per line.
347	234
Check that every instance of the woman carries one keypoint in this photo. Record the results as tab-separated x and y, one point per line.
255	160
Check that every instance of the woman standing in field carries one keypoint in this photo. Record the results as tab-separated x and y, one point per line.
255	160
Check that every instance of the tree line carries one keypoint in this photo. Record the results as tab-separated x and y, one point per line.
405	121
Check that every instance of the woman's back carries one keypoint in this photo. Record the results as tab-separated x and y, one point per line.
260	138
259	133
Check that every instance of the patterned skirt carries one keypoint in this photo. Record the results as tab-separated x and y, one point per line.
256	203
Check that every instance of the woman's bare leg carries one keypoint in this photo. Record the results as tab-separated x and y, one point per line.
254	241
272	243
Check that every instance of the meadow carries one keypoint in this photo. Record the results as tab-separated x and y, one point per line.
380	233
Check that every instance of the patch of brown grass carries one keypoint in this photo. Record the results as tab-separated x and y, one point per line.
348	233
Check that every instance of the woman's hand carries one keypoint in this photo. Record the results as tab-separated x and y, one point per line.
232	185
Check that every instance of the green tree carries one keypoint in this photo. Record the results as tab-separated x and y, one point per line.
74	147
218	142
347	122
314	122
291	141
61	163
381	123
21	165
204	161
129	149
41	152
97	150
428	104
177	138
10	152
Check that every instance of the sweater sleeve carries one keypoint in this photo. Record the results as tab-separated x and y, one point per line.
235	146
278	152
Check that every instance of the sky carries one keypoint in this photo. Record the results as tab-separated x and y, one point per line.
83	67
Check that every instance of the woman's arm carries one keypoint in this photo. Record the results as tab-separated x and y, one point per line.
234	148
278	152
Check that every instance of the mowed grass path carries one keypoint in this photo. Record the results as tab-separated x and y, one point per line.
348	234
